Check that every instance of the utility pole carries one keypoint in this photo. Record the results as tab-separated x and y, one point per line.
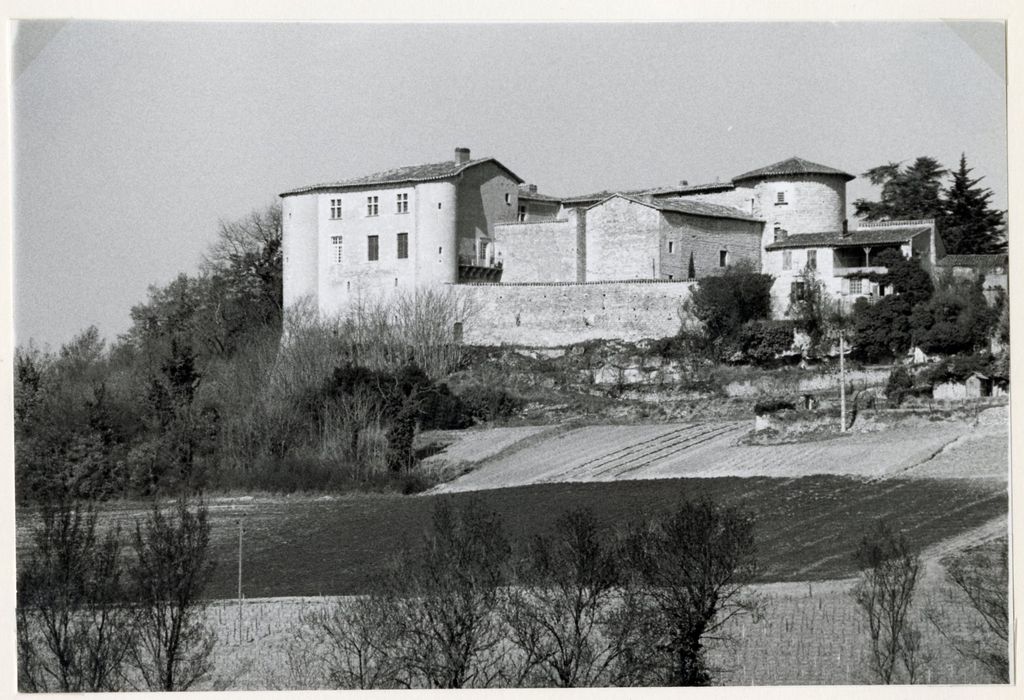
240	530
842	384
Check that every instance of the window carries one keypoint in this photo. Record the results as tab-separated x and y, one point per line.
780	197
403	245
335	208
857	286
522	212
671	246
797	290
457	331
402	205
483	251
371	206
812	260
508	198
336	242
777	233
787	260
723	258
372	247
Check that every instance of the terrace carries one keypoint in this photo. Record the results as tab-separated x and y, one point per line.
475	268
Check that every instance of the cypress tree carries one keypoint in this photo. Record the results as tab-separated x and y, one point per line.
970	225
691	271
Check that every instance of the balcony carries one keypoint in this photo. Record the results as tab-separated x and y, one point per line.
477	269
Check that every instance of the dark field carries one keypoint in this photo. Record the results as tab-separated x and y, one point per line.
807	528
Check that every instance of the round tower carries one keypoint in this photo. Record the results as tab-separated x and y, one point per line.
797	196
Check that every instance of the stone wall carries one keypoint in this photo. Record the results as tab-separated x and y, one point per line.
705	237
551	315
537	252
622	241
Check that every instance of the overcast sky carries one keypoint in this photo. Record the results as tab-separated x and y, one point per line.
133	139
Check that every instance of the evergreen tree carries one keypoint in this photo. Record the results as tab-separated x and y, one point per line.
691	271
913	192
970	225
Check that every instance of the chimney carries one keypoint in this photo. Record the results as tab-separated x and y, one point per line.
461	155
846	227
532	189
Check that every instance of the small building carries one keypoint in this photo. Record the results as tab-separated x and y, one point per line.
976	386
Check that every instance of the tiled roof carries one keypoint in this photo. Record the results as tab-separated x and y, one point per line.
684	206
792	166
692	189
525	193
980	261
406	174
835	239
599	196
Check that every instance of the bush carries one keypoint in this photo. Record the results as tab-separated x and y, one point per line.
725	302
487	403
762	342
767	406
900	382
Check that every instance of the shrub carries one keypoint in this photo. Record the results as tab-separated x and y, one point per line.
899	383
727	301
767	406
762	342
488	403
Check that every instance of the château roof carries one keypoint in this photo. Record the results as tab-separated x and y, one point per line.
685	206
876	235
526	193
792	166
409	174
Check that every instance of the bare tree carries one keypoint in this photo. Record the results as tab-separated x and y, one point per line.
885	591
74	630
171	569
358	643
562	613
980	575
691	570
450	634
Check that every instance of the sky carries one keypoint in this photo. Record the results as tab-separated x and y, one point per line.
133	140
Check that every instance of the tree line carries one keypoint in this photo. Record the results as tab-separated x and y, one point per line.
210	389
962	209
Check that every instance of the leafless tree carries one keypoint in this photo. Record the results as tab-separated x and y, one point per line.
885	592
562	613
691	571
446	601
74	630
171	568
980	575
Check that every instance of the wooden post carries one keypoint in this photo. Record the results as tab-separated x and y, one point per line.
240	581
842	382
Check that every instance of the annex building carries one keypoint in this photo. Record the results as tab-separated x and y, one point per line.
549	270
